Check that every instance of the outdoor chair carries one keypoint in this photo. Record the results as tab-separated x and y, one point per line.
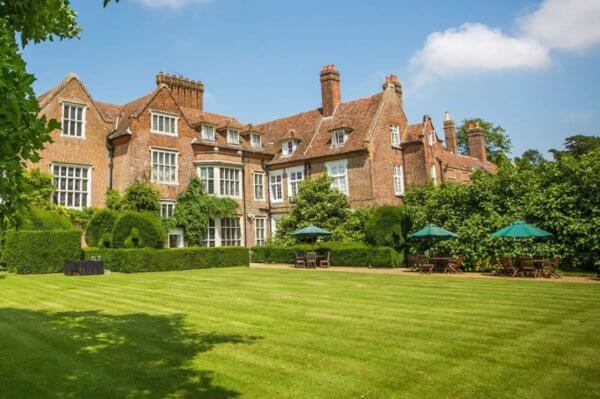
454	265
300	262
412	261
527	267
507	267
311	259
326	260
424	266
549	268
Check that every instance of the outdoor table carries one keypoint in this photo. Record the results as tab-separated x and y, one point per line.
440	262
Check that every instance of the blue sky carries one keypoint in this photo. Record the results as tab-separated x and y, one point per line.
531	66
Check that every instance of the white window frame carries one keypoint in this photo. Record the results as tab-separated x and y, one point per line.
165	205
57	180
398	180
217	175
293	183
176	232
209	238
214	233
336	135
203	132
63	119
256	140
172	117
394	134
433	175
231	134
227	178
154	178
431	138
233	239
278	176
331	168
258	239
255	185
210	169
288	147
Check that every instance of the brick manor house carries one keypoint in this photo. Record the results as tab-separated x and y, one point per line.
367	146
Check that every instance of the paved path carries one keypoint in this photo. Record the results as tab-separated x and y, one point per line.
407	272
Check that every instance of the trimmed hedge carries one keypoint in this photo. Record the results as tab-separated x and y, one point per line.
42	219
138	229
102	223
154	260
342	254
37	252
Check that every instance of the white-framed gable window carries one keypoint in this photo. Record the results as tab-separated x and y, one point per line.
164	123
395	134
288	147
431	138
338	170
255	140
398	180
233	137
208	132
338	137
164	166
259	186
72	185
294	177
73	120
167	208
276	186
433	175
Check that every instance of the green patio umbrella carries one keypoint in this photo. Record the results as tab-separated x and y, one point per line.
432	231
311	231
520	229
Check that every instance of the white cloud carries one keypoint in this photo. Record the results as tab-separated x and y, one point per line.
474	47
565	24
170	3
555	24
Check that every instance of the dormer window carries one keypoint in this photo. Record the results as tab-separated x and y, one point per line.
395	134
233	137
338	137
208	132
255	140
288	147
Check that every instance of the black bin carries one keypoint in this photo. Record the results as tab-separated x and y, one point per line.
84	268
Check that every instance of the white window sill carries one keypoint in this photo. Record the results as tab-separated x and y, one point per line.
164	133
66	136
165	183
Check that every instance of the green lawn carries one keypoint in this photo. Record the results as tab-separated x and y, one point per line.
224	333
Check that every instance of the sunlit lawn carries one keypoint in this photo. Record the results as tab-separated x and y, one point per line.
225	333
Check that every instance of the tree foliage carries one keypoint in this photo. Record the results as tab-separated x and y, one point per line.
388	226
497	142
141	196
195	208
317	203
561	197
578	145
23	132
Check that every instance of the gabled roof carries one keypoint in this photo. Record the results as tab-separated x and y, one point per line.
197	117
314	131
463	162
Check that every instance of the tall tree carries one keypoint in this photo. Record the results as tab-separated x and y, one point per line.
530	158
497	142
578	145
23	132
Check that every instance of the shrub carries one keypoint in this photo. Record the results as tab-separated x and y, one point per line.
342	254
154	260
43	219
99	225
141	196
150	230
36	252
387	227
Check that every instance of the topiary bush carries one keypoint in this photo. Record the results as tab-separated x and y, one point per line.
342	254
147	228
37	252
154	260
43	219
100	224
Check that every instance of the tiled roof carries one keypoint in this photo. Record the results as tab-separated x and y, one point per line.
108	111
463	162
197	117
412	132
314	131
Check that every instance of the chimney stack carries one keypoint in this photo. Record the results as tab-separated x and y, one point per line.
392	82
330	89
450	133
476	141
188	93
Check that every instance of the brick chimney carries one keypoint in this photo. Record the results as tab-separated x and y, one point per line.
450	133
476	141
330	89
392	82
188	93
